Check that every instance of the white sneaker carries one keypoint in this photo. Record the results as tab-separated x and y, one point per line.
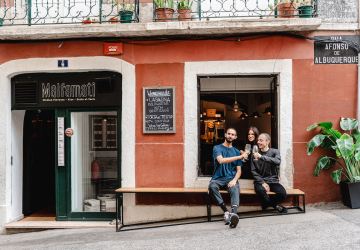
227	217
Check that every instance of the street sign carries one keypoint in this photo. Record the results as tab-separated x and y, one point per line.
335	50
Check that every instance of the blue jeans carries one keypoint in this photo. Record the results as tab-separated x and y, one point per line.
234	191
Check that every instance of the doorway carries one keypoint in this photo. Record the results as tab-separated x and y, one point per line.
39	198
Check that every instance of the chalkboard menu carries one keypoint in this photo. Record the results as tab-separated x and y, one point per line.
159	110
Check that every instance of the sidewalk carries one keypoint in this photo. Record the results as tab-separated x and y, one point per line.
323	227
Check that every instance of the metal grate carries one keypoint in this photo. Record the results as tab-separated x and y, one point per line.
26	93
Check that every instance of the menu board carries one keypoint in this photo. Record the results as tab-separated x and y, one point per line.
159	110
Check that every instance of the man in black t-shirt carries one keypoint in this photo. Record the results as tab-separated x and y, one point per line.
264	167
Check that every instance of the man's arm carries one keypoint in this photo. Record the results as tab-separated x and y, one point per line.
274	160
226	160
236	178
256	175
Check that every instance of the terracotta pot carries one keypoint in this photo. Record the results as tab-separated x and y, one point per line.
113	20
86	22
285	10
164	13
184	14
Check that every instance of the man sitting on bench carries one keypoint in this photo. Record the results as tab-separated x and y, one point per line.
265	172
227	171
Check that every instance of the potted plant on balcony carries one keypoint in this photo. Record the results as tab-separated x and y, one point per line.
304	8
285	8
347	148
184	10
126	12
86	21
164	10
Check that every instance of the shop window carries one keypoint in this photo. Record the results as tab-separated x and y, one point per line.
231	101
94	161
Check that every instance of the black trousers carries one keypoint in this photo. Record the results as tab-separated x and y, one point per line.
272	200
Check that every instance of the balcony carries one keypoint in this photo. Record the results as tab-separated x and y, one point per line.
206	10
66	19
44	12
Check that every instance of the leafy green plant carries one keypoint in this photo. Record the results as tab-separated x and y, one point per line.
184	4
164	4
125	7
346	146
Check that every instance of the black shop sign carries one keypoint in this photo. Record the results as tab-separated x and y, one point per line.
90	89
333	51
158	110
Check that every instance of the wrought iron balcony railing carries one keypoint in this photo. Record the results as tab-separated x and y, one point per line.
171	10
41	12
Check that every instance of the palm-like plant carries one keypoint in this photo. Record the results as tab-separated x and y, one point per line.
347	147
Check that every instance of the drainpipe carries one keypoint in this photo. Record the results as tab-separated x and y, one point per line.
358	88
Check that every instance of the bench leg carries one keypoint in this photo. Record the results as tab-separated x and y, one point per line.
208	206
117	213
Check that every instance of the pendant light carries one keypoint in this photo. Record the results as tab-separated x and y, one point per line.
242	116
218	121
268	109
235	105
255	114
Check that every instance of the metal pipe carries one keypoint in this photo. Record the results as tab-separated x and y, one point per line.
358	89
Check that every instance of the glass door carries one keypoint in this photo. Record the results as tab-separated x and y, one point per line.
94	163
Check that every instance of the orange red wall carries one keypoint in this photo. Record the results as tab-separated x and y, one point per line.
320	93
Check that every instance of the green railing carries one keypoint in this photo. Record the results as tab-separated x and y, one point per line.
196	10
41	12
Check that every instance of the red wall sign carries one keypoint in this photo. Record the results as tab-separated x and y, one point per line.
113	48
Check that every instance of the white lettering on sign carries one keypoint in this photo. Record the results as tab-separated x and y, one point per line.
113	48
59	91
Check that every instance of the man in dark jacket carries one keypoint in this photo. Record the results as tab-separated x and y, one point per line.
264	167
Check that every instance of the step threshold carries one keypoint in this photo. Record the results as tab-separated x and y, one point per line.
58	224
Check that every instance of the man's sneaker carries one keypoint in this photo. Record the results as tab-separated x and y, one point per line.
234	220
281	209
227	216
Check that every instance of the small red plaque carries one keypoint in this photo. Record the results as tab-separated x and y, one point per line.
113	49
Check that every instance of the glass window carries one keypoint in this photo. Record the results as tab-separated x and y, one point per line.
94	161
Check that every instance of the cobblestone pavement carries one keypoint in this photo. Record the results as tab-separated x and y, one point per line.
322	227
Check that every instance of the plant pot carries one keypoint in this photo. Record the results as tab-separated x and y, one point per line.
285	10
113	20
164	13
305	11
86	22
125	16
350	193
184	14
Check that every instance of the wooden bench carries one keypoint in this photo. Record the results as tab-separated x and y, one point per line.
120	198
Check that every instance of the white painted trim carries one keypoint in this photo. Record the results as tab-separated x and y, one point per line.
253	67
76	64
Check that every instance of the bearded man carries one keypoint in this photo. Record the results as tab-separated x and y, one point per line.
227	171
264	167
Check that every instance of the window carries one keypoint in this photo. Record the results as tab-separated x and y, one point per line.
218	111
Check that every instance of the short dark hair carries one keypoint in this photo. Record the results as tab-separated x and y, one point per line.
267	136
232	129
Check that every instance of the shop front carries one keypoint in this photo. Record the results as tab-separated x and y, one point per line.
71	143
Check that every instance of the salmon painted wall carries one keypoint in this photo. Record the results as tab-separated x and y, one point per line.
320	93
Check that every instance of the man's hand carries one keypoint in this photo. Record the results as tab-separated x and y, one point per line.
266	186
257	156
244	156
232	183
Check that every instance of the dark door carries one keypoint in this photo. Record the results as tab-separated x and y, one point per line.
39	161
274	114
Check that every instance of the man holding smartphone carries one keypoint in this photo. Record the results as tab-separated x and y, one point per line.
265	171
227	171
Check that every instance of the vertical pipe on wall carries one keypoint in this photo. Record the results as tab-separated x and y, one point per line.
358	89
